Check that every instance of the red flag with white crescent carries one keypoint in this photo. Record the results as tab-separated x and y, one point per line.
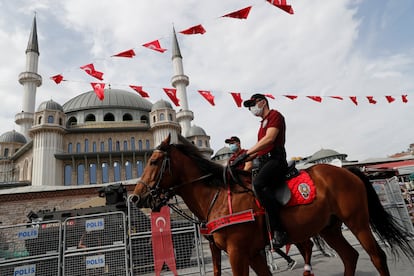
281	4
207	95
237	98
404	98
154	45
390	99
140	91
172	94
90	70
371	100
99	89
162	244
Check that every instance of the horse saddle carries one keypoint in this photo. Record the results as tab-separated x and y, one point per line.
282	192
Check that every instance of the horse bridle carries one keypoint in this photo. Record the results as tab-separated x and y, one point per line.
163	195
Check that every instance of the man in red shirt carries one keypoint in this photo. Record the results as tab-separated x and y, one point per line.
271	153
235	148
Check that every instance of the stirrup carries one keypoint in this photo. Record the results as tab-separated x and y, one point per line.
279	239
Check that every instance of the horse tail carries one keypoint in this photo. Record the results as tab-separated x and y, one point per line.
384	224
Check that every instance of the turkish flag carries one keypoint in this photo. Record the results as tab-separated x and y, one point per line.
292	97
390	99
281	4
207	95
99	89
140	91
154	45
162	244
90	70
354	100
128	54
240	14
57	78
371	100
237	98
172	94
194	30
404	98
315	98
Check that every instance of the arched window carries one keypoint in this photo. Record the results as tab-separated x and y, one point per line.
92	173
39	121
60	121
68	175
72	121
144	119
6	152
50	119
154	119
105	173
86	145
109	117
90	118
128	170
140	168
127	117
94	147
70	148
199	143
78	147
162	117
139	144
125	145
132	143
147	144
170	117
117	146
110	144
102	146
81	174
117	171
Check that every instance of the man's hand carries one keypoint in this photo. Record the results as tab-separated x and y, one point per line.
239	160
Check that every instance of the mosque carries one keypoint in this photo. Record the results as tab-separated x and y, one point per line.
88	141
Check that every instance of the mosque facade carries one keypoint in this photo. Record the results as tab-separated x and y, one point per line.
88	141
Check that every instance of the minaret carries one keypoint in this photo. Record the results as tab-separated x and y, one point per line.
30	80
180	82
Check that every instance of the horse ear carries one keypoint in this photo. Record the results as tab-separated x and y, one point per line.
166	141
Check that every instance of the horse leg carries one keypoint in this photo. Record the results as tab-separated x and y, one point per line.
216	258
368	242
239	261
335	239
305	249
259	265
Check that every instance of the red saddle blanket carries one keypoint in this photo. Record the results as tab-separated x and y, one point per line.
302	188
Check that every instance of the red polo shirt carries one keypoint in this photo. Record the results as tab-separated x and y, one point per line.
273	119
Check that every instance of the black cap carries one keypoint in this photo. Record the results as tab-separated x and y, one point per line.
252	101
232	139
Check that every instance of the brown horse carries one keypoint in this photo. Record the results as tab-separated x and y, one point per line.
342	196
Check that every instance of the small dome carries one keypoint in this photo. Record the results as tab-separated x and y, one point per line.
196	131
49	105
325	153
161	104
223	150
12	137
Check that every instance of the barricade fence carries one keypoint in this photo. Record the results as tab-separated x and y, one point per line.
121	243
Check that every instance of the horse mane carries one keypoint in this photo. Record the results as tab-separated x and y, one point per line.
204	164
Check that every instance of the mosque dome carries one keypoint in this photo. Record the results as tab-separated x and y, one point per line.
161	104
49	105
223	150
12	137
196	131
325	153
114	98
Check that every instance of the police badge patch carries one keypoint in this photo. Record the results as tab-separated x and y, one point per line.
304	190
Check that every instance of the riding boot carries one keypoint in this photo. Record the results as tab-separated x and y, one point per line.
280	236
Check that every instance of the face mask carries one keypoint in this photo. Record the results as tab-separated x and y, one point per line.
233	147
256	111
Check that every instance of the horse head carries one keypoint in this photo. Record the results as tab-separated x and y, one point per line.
153	190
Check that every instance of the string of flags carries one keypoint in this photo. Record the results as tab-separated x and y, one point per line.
155	45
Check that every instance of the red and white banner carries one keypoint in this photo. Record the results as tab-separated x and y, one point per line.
162	244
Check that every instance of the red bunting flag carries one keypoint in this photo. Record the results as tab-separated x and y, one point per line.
128	54
194	30
315	98
154	45
57	78
90	70
162	243
208	96
240	14
99	89
270	96
281	4
390	99
404	98
354	100
371	100
140	91
337	97
172	94
292	97
237	98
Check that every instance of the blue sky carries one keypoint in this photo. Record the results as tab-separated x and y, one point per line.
347	48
